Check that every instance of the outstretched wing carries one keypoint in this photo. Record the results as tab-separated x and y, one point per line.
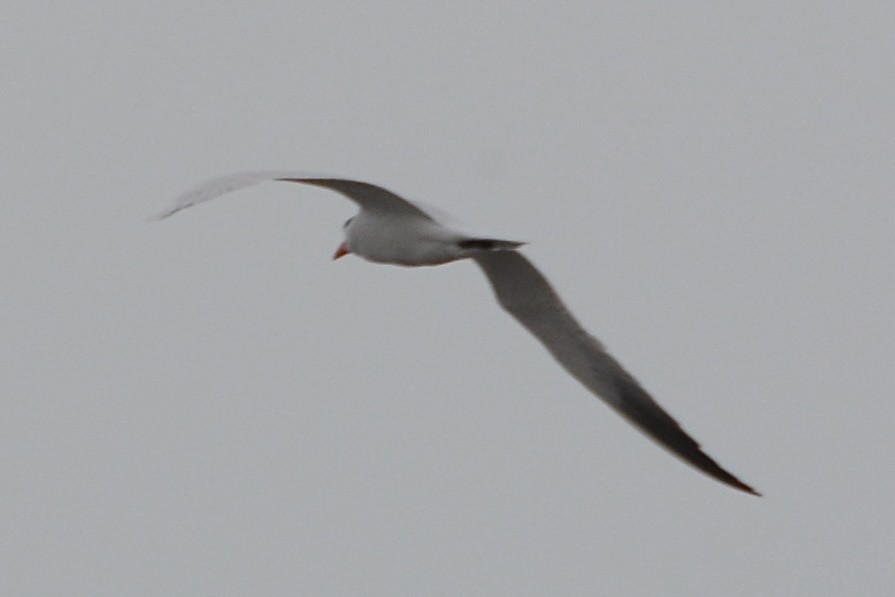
366	195
524	292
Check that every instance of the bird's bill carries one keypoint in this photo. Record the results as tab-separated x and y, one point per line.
341	251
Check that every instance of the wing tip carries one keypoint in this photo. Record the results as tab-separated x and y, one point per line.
737	484
158	217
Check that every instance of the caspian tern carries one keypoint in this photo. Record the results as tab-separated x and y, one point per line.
391	229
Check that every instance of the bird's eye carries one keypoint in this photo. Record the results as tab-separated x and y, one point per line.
348	221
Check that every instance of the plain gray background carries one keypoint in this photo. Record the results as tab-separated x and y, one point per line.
209	405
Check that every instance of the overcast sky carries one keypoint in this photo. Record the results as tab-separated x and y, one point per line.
209	405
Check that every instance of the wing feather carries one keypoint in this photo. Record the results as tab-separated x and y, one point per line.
367	196
527	295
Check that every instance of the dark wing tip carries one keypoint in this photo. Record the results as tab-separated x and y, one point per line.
732	481
751	491
641	410
743	487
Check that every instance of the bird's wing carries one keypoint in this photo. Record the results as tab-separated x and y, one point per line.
524	292
366	195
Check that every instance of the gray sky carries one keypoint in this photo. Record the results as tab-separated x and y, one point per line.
209	405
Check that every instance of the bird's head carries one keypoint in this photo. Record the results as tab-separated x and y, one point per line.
343	248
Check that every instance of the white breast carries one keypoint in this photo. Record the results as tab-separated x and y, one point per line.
401	240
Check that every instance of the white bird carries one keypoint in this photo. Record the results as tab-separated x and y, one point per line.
391	229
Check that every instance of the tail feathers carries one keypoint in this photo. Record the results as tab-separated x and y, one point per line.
488	244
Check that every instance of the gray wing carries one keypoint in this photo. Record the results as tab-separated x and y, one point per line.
366	195
524	292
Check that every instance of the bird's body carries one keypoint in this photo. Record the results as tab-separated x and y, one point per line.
409	240
390	229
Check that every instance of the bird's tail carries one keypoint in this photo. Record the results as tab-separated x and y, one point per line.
482	245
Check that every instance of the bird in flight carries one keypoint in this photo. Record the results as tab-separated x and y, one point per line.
391	229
